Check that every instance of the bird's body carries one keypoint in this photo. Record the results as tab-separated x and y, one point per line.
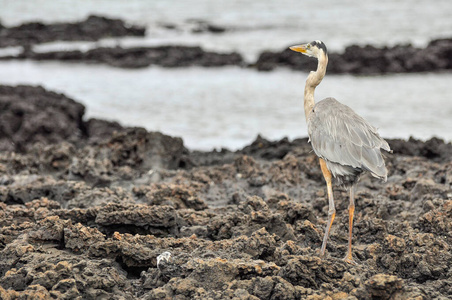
346	144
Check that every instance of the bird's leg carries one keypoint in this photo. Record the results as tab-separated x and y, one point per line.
331	209
351	211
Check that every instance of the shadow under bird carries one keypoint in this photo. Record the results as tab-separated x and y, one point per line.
346	144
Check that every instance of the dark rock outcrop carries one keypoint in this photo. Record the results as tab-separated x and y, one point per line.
92	29
140	57
360	60
32	114
368	60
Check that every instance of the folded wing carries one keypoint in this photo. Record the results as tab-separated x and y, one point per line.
340	136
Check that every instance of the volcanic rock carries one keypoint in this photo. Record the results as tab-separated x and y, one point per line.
140	57
368	60
88	220
92	29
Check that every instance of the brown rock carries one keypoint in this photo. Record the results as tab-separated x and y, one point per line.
138	215
384	286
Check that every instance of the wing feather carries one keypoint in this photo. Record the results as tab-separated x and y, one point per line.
341	136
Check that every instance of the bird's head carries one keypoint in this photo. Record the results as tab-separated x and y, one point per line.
313	49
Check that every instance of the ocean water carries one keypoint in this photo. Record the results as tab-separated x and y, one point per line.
256	25
228	107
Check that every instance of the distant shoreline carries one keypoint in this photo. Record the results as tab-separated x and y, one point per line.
357	60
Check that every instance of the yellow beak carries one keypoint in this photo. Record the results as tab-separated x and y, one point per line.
299	48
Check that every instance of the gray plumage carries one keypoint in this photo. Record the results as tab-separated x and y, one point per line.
348	143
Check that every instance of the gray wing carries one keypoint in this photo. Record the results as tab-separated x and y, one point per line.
341	136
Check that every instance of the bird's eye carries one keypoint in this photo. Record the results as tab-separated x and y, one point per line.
308	46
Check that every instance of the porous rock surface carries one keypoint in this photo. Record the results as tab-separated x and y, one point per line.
89	220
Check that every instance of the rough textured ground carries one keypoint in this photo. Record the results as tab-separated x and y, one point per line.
87	219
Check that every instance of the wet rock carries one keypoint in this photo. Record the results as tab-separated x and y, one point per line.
92	29
32	114
141	57
368	59
434	149
201	26
266	149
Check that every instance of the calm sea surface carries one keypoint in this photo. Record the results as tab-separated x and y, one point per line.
228	107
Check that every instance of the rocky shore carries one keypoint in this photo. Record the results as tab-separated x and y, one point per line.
89	208
362	60
141	57
92	29
369	60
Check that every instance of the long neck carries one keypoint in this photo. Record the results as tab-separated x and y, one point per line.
312	82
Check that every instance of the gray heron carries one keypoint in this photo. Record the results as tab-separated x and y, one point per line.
346	144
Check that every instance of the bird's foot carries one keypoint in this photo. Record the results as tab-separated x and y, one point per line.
349	259
321	253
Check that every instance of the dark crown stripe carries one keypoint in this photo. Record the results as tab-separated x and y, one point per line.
320	45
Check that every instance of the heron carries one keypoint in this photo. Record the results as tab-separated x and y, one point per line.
346	144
